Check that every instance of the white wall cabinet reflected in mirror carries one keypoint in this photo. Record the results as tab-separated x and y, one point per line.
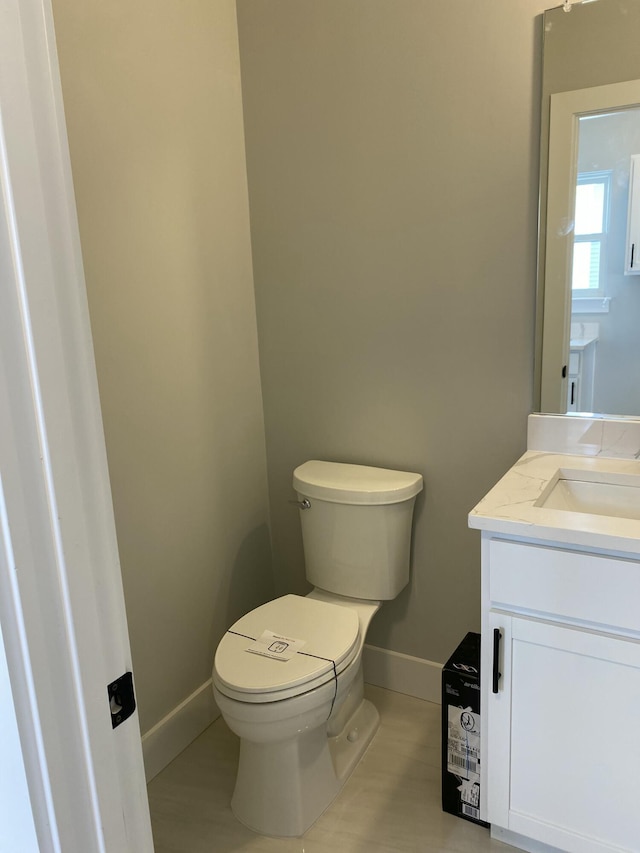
632	255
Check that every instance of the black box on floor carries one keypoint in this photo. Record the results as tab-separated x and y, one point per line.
461	731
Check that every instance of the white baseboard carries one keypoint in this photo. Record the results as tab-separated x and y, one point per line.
162	743
507	836
403	673
383	668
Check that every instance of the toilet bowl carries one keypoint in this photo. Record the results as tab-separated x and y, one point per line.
301	730
287	677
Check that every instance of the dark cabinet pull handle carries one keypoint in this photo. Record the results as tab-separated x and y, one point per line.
633	246
497	636
573	393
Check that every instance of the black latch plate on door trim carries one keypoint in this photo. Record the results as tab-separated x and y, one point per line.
122	700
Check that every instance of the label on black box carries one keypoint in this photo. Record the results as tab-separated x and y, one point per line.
470	796
463	744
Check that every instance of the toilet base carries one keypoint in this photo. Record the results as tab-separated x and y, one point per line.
348	747
283	788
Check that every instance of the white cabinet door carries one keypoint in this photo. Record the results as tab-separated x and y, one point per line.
563	745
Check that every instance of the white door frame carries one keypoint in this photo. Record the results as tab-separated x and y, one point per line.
62	611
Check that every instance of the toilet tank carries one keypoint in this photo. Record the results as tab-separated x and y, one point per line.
356	530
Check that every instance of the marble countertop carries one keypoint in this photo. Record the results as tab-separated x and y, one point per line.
582	343
510	507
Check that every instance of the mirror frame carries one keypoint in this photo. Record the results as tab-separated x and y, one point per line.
593	45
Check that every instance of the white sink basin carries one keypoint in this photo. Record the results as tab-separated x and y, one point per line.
582	491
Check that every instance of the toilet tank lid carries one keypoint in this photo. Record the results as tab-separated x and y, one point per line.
339	482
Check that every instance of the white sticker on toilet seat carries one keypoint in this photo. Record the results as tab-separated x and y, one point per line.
275	646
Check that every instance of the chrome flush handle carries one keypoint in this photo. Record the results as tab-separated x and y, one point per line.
305	504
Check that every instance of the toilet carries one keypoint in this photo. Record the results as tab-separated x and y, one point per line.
287	677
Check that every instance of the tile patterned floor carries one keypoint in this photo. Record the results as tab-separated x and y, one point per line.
391	803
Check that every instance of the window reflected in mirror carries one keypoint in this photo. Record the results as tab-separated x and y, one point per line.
591	225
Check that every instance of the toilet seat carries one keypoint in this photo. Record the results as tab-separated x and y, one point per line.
331	633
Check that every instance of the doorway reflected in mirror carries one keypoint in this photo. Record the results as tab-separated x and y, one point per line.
604	345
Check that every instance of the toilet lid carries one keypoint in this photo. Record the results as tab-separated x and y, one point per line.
330	634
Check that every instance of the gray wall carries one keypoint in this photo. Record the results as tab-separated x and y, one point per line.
392	156
153	106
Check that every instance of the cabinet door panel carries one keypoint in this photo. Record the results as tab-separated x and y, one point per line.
574	752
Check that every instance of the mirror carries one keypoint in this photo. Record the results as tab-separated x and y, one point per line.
588	308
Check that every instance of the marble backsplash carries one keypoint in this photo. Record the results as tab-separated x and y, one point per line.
584	435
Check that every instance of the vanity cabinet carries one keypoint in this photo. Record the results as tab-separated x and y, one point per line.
560	697
581	377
